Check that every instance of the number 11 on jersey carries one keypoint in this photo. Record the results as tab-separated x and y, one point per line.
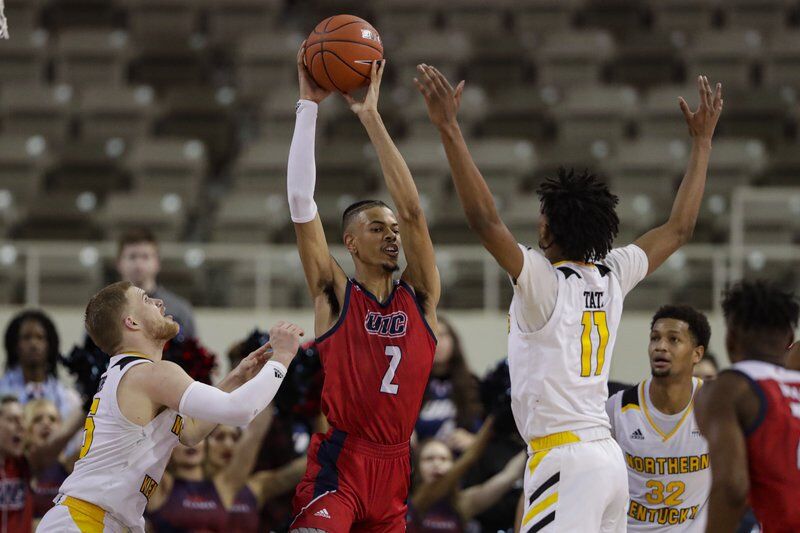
593	319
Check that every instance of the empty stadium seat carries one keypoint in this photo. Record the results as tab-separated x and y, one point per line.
764	15
162	165
56	216
23	161
116	112
147	18
249	217
23	59
67	280
164	214
85	56
228	20
266	59
544	15
444	50
519	111
37	110
762	113
724	55
477	16
89	166
685	15
660	115
647	59
573	57
782	59
261	167
396	18
596	112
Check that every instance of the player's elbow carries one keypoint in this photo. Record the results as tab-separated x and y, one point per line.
482	221
410	214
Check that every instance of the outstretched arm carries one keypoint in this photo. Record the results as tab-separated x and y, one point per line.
476	198
270	483
430	493
476	499
323	275
721	410
421	271
166	384
663	241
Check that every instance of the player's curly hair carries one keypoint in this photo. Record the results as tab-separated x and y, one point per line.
12	339
760	307
581	214
697	321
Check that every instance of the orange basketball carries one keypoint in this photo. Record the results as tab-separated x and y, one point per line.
340	52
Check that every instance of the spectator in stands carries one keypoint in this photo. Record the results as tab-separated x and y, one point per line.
32	352
139	263
451	409
43	421
20	463
707	369
438	504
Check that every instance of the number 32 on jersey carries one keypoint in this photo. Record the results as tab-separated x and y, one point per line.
590	352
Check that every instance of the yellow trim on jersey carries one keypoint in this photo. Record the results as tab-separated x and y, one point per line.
87	516
630	406
665	436
539	507
536	459
582	263
554	440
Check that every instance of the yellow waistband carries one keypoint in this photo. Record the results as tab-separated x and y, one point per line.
89	509
553	440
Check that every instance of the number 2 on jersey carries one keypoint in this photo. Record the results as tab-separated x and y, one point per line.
395	355
88	429
596	319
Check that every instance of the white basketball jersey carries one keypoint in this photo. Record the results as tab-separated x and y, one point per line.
559	373
669	478
121	463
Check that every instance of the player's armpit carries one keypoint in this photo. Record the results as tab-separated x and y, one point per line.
722	408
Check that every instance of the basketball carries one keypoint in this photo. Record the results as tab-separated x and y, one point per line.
340	51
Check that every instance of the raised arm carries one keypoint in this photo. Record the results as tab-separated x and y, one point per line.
324	277
40	457
421	272
270	483
231	479
663	241
476	198
166	384
430	493
721	410
476	499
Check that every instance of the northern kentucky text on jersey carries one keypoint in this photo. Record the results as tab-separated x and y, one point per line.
662	466
662	515
594	299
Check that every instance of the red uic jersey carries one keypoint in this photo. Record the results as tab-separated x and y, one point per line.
773	446
16	503
377	359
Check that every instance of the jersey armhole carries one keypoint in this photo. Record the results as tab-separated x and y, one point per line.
762	399
421	311
342	313
115	404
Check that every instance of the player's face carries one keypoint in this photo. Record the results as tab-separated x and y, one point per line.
374	238
151	314
139	264
705	371
32	346
44	421
188	456
435	460
12	432
672	350
444	348
222	445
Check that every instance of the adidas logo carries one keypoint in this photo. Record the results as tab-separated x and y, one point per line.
323	514
278	373
695	433
637	435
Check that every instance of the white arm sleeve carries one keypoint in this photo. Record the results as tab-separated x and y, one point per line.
237	408
536	289
301	173
630	265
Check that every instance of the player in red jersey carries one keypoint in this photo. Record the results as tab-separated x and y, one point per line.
375	335
751	414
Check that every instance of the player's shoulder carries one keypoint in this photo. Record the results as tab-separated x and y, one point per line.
628	399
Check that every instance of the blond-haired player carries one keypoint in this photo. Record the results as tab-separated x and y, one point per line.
669	478
144	406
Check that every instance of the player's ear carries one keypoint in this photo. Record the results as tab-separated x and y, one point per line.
349	242
131	323
698	353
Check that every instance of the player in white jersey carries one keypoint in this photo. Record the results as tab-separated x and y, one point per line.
669	478
144	406
565	313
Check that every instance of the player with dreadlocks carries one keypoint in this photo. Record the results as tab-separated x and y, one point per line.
566	310
751	413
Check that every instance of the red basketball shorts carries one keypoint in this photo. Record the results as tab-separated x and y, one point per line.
353	485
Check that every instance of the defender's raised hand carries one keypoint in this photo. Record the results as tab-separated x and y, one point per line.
370	103
309	90
440	97
703	121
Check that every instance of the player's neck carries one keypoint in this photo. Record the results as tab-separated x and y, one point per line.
378	282
671	395
34	373
153	350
